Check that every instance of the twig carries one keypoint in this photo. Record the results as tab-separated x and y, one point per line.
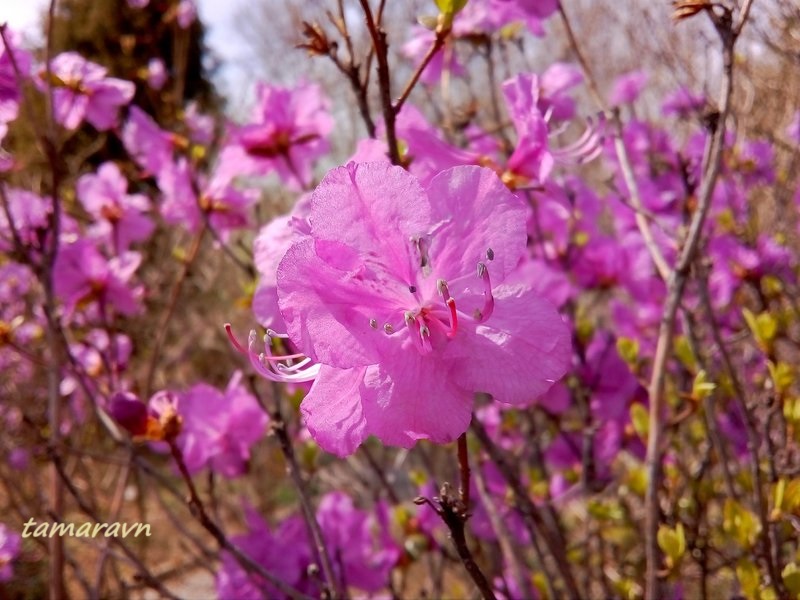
534	520
675	288
198	510
278	426
464	471
622	154
454	515
378	36
163	325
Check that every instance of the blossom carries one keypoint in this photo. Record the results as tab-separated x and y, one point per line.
271	243
10	545
119	217
397	295
156	73
364	550
82	91
83	274
220	427
284	551
286	133
158	420
10	93
627	87
533	158
218	201
149	145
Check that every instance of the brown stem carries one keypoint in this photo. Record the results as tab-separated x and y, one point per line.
454	515
538	524
161	333
198	510
675	289
464	471
768	541
279	428
381	48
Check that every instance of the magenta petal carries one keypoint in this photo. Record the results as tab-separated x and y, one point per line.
416	398
496	221
333	412
518	353
328	309
373	208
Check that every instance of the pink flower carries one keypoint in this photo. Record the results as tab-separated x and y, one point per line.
627	87
149	145
220	427
287	132
10	546
219	201
82	91
365	552
119	217
270	245
83	274
9	86
398	297
156	73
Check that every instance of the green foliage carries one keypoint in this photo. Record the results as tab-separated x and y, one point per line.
672	542
764	328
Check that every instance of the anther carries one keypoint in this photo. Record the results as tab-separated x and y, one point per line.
373	323
489	254
488	300
412	289
388	329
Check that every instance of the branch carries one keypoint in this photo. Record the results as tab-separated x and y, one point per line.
675	288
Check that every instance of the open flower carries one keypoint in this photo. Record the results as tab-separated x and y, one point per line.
10	546
82	91
397	297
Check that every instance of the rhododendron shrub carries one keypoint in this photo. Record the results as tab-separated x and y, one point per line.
522	322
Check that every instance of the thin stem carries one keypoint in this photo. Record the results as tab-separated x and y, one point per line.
534	519
675	288
464	471
279	428
622	154
381	48
198	510
161	333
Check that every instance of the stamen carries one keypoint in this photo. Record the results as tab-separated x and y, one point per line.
481	315
274	334
234	342
269	365
444	292
424	336
421	245
451	304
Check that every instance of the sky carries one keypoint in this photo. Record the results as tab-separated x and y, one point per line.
217	15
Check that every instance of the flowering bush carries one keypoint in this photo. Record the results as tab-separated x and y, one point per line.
529	338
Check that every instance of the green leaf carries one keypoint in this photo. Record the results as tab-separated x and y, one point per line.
640	419
749	578
672	543
628	349
450	7
684	353
791	579
763	326
782	375
740	524
702	386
